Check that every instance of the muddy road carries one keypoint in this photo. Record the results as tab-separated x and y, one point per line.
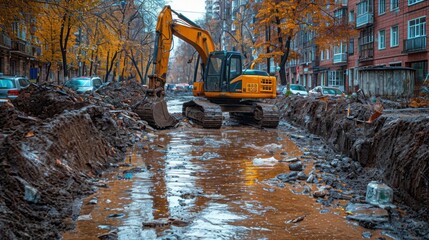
193	183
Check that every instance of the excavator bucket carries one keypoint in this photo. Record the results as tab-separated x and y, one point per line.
154	111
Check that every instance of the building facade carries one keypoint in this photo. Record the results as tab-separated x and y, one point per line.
391	35
18	56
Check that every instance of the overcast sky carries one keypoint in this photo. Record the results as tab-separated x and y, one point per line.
192	9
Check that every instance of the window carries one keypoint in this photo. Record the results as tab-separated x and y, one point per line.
327	54
364	7
382	39
341	48
394	36
381	7
394	5
351	46
335	78
234	67
417	28
322	55
412	2
352	16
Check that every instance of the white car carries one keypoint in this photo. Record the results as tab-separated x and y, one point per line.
296	89
320	91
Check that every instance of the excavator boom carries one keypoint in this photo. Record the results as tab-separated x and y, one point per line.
153	108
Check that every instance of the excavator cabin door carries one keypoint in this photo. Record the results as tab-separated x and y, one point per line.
222	68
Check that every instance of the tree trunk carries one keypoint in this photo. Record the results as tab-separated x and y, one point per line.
135	63
64	37
48	70
109	67
283	61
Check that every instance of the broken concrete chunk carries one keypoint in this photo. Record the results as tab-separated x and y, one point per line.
31	194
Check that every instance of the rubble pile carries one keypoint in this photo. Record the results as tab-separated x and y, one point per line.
54	145
393	148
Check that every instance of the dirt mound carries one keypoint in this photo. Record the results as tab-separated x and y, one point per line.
54	145
394	148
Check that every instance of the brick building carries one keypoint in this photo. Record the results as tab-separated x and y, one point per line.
391	37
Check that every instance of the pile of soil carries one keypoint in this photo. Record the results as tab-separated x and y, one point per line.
54	145
393	149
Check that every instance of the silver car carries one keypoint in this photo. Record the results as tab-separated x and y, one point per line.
11	86
84	84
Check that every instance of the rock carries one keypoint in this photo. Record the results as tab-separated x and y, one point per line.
295	166
287	177
328	178
320	194
31	194
334	163
366	235
367	215
302	176
310	178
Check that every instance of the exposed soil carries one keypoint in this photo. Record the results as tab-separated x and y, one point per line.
54	144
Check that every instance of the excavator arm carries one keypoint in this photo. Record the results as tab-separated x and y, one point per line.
183	28
153	108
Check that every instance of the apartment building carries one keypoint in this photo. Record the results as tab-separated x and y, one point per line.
18	56
391	39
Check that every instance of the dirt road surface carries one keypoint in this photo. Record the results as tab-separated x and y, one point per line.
86	167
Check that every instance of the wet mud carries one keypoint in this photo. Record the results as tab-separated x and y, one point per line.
215	184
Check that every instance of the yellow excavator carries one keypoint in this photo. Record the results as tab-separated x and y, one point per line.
224	87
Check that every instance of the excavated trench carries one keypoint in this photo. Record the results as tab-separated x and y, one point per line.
393	149
54	144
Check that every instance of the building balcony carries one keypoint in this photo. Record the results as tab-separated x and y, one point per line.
418	44
342	2
364	20
366	51
23	48
340	58
5	41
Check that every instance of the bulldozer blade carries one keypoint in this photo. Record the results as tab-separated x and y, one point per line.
155	112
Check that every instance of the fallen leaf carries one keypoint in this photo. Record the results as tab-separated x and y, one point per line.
29	134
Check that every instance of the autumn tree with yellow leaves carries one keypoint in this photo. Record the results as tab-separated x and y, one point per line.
283	20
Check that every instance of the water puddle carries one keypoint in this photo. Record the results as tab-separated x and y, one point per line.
210	184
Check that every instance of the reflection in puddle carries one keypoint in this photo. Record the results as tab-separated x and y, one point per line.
216	182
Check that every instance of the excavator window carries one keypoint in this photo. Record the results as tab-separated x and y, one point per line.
214	71
234	67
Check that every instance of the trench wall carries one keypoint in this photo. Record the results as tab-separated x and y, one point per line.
396	144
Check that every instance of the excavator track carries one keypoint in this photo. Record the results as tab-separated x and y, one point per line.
264	115
204	113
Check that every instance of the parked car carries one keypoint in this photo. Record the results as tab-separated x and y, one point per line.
281	90
171	87
320	91
11	86
84	84
297	89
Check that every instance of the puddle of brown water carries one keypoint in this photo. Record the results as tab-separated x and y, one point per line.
215	180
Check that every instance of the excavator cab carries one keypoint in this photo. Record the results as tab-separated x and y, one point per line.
222	68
